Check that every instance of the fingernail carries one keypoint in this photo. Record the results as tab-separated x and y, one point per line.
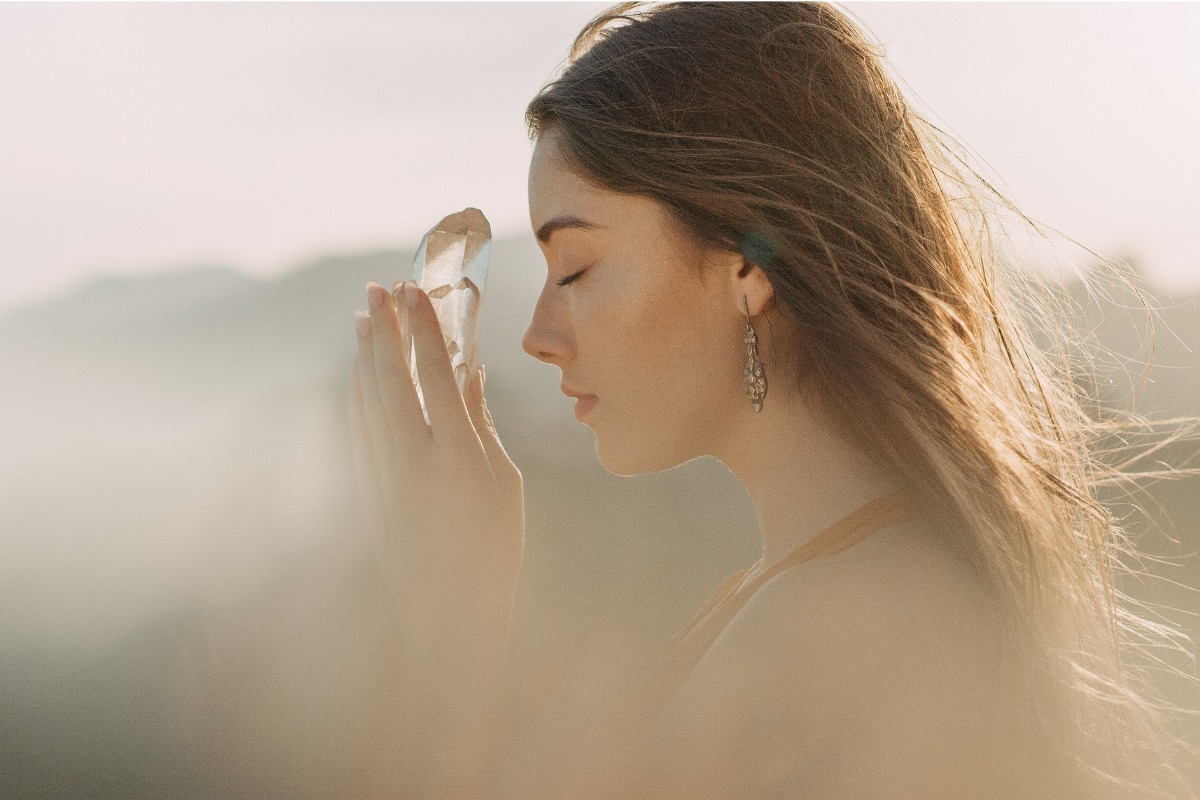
482	378
411	294
375	295
362	323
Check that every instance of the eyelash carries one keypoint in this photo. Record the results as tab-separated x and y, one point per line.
570	278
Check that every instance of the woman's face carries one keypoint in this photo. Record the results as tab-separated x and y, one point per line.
658	347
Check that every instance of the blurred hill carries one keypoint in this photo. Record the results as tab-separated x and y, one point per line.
188	605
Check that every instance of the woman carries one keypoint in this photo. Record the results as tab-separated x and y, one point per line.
756	251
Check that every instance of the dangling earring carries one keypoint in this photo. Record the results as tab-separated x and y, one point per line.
755	380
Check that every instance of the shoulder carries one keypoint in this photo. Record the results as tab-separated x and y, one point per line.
901	590
899	598
879	665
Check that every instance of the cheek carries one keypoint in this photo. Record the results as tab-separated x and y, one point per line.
668	341
650	334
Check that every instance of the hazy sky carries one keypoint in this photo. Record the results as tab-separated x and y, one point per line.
138	137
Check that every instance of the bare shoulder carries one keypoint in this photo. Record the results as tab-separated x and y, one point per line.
899	593
877	669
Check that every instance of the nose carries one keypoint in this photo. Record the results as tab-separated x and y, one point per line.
548	337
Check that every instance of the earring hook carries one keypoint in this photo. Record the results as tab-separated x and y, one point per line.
746	303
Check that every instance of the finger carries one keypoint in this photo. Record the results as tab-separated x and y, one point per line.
505	471
405	329
406	350
398	396
378	429
370	489
448	417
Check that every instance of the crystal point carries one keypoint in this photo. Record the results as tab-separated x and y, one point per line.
451	267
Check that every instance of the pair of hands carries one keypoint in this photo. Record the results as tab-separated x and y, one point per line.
444	502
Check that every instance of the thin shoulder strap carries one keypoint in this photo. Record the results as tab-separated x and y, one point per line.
693	642
843	534
715	600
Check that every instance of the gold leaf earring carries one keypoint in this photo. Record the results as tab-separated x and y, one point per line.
755	380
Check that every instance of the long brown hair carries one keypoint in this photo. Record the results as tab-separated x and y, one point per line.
773	129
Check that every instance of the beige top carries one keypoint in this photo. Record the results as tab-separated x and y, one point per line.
693	642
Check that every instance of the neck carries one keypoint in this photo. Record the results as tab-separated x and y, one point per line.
801	476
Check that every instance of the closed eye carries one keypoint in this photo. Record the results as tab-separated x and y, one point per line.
570	278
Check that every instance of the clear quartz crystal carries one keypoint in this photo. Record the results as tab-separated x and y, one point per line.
451	267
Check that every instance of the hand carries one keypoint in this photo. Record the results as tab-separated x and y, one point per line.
444	502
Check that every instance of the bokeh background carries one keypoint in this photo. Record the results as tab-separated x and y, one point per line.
191	199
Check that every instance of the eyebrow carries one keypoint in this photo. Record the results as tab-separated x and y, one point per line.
559	223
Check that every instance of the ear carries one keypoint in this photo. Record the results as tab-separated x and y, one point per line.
742	283
752	289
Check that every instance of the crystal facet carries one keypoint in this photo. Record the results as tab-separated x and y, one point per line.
451	267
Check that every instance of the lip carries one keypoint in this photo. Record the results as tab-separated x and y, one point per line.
583	402
573	393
